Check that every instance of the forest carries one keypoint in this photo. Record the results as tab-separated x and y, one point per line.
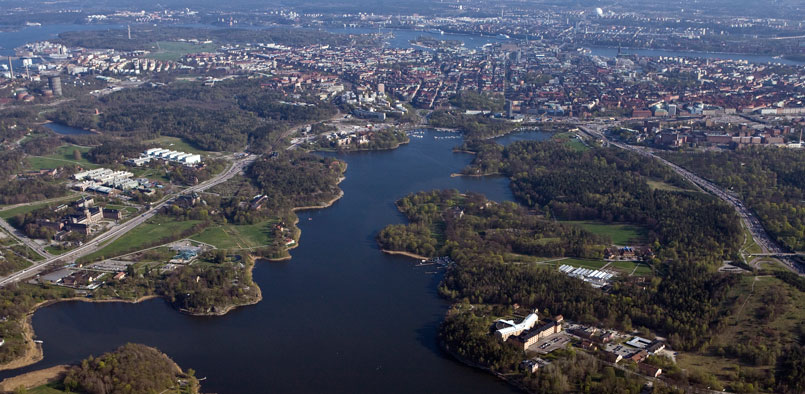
131	368
610	185
15	190
473	126
448	223
770	181
471	100
684	300
228	116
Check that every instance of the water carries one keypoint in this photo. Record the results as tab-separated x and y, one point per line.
12	39
402	37
612	52
340	317
65	130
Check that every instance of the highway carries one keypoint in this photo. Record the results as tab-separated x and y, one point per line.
118	231
752	223
25	240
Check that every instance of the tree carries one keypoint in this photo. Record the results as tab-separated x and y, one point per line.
76	155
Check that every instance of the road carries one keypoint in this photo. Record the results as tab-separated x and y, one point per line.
759	234
25	240
117	232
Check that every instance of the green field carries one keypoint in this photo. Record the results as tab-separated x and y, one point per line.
45	389
626	267
174	50
238	237
593	264
62	157
142	235
621	234
174	143
571	140
10	213
742	322
660	185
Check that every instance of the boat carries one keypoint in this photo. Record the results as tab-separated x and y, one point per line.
506	36
436	31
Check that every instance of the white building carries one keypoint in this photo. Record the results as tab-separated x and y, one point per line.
508	328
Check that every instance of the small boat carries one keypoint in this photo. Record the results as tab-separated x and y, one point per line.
39	341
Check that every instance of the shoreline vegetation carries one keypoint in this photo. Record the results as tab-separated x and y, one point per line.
34	353
134	368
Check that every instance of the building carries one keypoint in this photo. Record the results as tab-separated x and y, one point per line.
54	83
531	337
611	357
113	214
169	155
649	370
639	356
655	346
507	328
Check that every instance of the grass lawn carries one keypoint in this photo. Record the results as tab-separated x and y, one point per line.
174	50
174	143
743	322
10	213
142	235
626	267
63	156
620	233
660	185
750	246
45	389
571	140
593	264
238	236
55	251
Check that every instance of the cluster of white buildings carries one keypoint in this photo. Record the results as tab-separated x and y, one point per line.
167	154
104	180
594	277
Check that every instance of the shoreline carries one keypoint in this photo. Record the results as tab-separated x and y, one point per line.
34	353
406	254
35	378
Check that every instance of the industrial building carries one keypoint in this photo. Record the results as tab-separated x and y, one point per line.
175	156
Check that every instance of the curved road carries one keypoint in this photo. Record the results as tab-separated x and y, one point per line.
751	221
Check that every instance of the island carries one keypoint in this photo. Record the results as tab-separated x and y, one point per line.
130	368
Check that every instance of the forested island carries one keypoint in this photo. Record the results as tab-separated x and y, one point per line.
131	368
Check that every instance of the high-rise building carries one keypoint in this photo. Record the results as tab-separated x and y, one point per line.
55	85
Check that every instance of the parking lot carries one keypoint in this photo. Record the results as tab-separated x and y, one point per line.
551	343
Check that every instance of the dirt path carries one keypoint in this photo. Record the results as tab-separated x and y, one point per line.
33	379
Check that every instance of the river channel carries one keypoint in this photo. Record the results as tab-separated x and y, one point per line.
340	317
